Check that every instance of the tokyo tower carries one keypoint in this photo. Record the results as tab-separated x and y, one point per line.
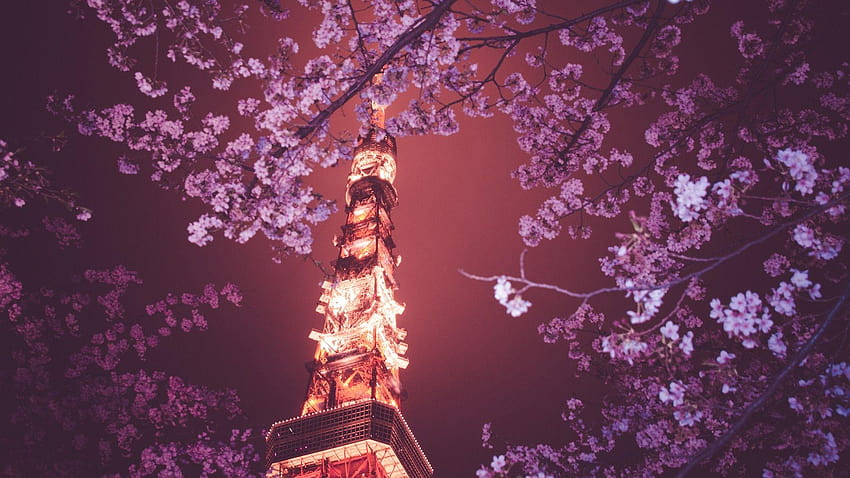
351	424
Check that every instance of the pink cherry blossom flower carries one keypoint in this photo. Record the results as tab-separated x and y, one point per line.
498	463
670	331
724	357
675	394
687	343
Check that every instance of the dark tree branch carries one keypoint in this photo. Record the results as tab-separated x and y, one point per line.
615	80
740	105
712	449
426	23
715	263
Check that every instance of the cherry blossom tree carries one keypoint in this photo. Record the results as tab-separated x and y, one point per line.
78	398
754	379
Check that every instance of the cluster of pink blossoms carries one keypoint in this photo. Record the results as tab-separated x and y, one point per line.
690	197
97	409
743	317
77	383
515	305
731	168
734	176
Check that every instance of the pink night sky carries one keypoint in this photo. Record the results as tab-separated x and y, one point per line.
470	363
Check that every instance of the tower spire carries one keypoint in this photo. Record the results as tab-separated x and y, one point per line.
378	115
351	422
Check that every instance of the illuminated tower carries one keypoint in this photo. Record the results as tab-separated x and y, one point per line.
350	424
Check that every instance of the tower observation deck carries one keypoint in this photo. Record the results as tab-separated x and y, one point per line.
351	424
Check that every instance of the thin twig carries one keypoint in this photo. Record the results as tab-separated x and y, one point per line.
671	283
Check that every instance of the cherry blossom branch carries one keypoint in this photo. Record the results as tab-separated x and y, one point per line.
717	262
495	40
360	43
738	105
710	450
616	78
514	40
491	77
424	24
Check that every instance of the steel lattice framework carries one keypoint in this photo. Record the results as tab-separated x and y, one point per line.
350	424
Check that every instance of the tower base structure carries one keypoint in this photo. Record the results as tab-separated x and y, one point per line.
366	438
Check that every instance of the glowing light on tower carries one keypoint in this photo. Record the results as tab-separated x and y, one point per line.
351	424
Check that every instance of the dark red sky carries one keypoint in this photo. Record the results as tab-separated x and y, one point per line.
470	362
